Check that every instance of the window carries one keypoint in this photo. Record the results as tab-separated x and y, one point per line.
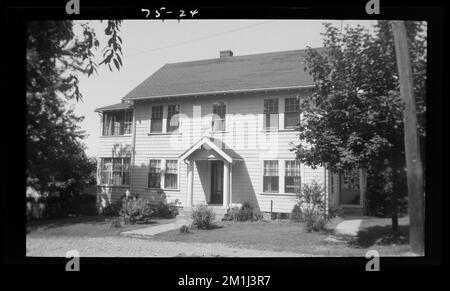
157	117
270	114
291	113
115	171
128	122
270	176
154	175
218	120
292	180
171	174
117	123
173	118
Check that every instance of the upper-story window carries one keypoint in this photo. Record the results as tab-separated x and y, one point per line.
271	114
157	118
291	113
219	113
117	122
173	118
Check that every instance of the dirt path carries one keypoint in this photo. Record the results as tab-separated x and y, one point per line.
134	247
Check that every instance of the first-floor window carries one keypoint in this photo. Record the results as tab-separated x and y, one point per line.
171	174
270	176
292	179
115	171
154	175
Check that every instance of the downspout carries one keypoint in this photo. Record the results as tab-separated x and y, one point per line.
133	150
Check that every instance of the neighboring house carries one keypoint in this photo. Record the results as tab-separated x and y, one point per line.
216	131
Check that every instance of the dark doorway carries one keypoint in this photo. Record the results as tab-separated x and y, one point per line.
216	182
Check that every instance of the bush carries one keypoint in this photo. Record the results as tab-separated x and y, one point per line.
184	229
202	217
335	211
136	210
166	210
296	214
314	221
312	206
112	209
245	213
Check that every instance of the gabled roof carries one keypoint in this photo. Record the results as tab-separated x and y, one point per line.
226	153
236	73
117	106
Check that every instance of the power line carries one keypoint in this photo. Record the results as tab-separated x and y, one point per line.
196	39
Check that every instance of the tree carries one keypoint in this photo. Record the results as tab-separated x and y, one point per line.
353	119
55	56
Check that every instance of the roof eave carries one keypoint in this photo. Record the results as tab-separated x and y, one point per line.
223	92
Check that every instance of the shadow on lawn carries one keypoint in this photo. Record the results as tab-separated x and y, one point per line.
380	235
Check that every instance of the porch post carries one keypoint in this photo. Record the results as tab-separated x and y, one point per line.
190	184
226	183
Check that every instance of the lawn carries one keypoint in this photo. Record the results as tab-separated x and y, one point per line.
275	236
83	226
290	237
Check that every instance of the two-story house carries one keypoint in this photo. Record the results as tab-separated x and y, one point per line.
218	132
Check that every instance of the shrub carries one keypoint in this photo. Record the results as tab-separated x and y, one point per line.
296	214
136	210
112	209
245	213
335	211
115	223
166	210
184	229
202	217
314	221
312	206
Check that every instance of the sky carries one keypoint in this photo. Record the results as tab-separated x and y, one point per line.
149	44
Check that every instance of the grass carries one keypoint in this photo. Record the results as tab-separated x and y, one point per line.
89	226
290	237
374	234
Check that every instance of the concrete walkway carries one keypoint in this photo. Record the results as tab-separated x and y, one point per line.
348	227
152	230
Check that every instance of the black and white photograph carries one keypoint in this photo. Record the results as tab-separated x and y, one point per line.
185	137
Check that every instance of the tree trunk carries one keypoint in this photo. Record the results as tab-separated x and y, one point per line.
395	194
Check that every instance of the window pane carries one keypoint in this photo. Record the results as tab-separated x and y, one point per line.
128	122
156	125
170	181
173	117
291	105
291	119
155	166
172	166
154	180
218	125
270	184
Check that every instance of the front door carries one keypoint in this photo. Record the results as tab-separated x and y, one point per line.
216	182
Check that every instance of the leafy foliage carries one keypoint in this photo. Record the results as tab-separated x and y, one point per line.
245	213
310	208
203	217
136	210
353	119
55	56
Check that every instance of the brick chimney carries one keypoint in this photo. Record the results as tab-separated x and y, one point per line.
227	53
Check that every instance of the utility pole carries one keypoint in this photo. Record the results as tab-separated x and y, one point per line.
416	193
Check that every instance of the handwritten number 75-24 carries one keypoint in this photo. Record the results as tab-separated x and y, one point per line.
163	12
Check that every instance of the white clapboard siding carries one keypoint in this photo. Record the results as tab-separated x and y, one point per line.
243	134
